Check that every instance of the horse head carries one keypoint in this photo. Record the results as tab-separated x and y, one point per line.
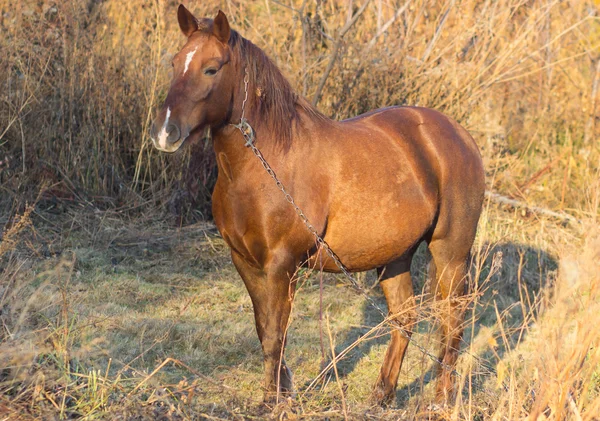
201	91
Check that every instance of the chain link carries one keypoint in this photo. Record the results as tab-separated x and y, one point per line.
250	137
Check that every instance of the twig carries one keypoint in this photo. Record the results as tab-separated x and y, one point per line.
389	23
336	50
18	114
149	376
589	127
503	200
271	24
321	307
305	29
335	370
151	100
542	171
567	172
437	33
304	24
285	5
367	336
573	407
361	68
181	364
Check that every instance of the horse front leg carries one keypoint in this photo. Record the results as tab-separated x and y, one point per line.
272	292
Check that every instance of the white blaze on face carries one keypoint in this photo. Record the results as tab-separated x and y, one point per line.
188	60
162	136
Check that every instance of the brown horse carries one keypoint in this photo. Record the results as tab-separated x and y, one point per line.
373	186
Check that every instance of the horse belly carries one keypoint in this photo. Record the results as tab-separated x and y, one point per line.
378	229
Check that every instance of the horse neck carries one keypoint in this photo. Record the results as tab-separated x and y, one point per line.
229	139
270	123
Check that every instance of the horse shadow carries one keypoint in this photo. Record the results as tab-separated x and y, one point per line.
505	278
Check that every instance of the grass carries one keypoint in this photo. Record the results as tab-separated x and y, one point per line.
108	311
139	320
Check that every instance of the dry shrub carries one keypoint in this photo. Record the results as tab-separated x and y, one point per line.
554	373
10	236
24	309
521	76
568	368
80	80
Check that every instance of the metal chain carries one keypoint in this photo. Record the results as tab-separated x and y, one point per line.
250	136
246	81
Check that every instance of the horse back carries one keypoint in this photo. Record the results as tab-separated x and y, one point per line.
430	141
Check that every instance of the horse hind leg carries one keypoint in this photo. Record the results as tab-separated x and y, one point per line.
448	272
397	287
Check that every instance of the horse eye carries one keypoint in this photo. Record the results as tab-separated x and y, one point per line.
211	71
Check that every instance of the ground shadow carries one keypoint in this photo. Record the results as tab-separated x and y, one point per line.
507	278
521	268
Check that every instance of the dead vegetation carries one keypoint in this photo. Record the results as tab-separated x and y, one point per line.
136	320
108	312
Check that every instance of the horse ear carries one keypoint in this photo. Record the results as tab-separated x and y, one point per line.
187	21
221	27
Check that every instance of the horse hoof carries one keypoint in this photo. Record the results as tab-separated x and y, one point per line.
286	383
380	397
272	398
436	407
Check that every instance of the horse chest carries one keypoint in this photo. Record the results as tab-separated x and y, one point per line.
238	211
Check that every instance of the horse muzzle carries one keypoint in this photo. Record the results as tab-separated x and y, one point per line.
168	138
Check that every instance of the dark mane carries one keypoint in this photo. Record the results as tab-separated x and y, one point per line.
271	98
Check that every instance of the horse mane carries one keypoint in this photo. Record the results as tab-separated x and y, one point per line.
271	98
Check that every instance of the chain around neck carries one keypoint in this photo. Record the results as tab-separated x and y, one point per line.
246	81
244	126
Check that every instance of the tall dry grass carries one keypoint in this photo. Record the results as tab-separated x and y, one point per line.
554	373
80	80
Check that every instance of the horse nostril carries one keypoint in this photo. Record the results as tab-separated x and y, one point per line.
174	133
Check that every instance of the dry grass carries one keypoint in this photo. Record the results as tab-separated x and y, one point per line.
81	79
138	320
108	312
